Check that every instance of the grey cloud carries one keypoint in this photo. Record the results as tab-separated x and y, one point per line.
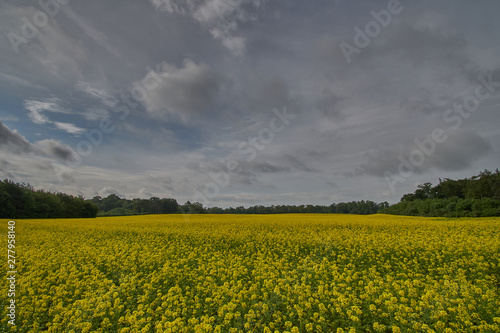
42	164
266	94
401	41
332	184
5	167
172	6
15	80
266	167
99	37
56	149
13	141
418	104
185	92
68	178
96	113
248	172
379	162
295	162
326	50
51	51
274	164
424	44
495	75
161	182
221	18
331	106
356	172
274	91
20	168
421	65
459	151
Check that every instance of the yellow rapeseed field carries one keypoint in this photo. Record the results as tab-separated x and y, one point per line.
256	273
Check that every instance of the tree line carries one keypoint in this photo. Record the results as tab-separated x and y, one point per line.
114	205
478	196
353	207
22	201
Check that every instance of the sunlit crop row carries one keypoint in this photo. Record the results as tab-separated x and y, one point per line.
255	273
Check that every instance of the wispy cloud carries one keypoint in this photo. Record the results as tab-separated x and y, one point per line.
98	36
99	94
70	128
36	114
15	80
36	109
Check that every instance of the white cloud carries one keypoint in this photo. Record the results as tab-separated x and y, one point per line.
235	44
70	128
36	109
36	116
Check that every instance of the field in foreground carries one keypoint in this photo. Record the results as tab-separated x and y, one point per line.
260	273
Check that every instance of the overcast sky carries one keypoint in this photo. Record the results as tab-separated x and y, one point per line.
244	102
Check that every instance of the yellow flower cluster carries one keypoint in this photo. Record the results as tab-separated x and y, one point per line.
257	273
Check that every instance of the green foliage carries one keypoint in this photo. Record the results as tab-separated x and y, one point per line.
478	196
22	201
113	205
